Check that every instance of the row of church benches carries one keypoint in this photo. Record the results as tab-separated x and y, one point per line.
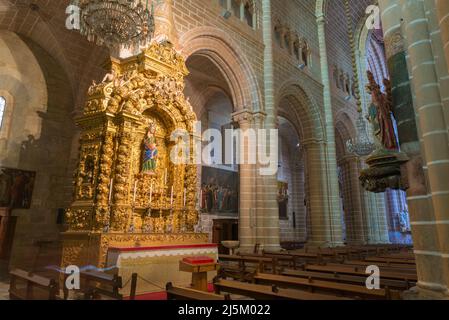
321	271
95	285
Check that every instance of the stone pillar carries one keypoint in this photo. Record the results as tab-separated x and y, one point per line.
418	195
442	9
297	197
271	208
247	227
330	186
320	221
353	193
433	268
438	47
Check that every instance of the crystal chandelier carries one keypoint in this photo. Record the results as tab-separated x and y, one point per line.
361	145
116	23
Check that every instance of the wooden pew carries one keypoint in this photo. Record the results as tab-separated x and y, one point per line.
327	287
383	266
97	285
178	293
350	279
241	267
360	272
261	292
27	286
390	260
278	260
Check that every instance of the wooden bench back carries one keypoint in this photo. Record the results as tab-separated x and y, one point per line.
98	284
27	286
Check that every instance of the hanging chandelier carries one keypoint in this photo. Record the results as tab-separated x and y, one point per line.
361	145
116	23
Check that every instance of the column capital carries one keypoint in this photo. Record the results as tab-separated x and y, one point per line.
243	116
321	19
312	142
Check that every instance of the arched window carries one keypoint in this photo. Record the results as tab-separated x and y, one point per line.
2	110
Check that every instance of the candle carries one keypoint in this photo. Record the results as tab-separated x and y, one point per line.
110	190
151	193
185	193
135	191
166	176
171	197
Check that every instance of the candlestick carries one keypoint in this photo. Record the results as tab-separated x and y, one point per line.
166	176
110	190
151	193
171	197
185	193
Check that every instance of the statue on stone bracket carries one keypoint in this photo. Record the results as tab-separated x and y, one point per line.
380	113
150	153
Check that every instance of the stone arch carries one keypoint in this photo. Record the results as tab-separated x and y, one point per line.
226	55
344	130
301	110
40	33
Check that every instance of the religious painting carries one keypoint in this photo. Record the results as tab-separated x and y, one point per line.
283	199
16	188
219	191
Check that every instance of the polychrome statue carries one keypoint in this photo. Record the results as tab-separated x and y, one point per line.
150	153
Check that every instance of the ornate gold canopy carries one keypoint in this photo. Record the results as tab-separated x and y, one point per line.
112	194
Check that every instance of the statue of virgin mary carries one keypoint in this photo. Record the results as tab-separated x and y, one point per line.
150	152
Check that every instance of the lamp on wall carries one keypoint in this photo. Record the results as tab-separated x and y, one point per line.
361	145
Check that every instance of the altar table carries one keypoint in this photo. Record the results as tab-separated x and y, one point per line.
156	266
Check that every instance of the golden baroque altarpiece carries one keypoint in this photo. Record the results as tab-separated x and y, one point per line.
127	191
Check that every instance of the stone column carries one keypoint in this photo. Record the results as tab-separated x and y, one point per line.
297	196
442	10
418	194
440	47
353	193
271	208
247	228
433	268
330	155
319	223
